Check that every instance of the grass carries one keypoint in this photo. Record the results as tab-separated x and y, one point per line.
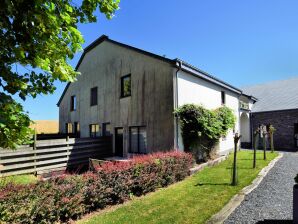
193	200
19	179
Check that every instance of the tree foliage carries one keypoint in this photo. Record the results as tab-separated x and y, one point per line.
40	36
202	128
15	125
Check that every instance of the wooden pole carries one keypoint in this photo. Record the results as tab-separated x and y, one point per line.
255	149
265	146
67	145
34	149
271	142
234	175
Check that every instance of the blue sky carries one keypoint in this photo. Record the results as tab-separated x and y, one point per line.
240	42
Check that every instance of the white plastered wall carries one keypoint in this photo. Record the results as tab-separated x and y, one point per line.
192	89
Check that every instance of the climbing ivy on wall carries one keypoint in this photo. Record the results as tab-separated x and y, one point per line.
202	128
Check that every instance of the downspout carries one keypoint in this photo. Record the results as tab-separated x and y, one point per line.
251	130
252	127
239	119
176	103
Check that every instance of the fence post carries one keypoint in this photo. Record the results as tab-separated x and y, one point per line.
34	149
67	145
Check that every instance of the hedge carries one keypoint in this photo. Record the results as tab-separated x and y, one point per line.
68	197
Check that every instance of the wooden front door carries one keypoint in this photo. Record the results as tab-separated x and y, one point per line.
119	142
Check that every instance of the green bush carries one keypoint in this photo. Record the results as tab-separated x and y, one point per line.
202	128
68	197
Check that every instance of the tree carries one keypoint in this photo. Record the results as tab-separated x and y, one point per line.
271	133
234	170
41	36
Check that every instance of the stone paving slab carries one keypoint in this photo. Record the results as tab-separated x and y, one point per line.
271	201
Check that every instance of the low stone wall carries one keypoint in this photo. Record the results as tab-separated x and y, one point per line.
214	162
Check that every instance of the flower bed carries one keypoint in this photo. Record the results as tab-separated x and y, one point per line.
70	196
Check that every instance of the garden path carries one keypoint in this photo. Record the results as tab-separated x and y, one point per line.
271	201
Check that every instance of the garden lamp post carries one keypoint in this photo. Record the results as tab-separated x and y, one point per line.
234	175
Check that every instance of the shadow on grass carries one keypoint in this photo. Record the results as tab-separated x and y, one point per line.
242	168
249	159
267	221
212	184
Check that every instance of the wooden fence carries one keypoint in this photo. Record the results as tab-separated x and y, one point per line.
53	154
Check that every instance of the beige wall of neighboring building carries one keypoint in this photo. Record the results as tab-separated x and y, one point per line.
45	126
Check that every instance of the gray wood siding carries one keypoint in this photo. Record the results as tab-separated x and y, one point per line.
151	102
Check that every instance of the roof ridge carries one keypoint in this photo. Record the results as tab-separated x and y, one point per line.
270	82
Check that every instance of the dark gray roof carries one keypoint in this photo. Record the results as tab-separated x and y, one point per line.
275	95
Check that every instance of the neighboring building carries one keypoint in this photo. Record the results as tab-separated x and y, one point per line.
277	105
45	126
131	94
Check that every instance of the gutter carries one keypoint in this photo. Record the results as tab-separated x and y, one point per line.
207	77
176	102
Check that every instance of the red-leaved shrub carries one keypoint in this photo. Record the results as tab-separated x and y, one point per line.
68	197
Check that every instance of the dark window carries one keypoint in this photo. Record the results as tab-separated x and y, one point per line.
125	86
68	128
138	140
76	128
94	130
73	103
223	97
93	96
106	129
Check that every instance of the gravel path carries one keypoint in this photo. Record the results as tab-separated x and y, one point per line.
271	201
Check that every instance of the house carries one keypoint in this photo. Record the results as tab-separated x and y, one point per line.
277	104
131	94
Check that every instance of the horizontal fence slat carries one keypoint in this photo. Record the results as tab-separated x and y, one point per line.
57	154
54	142
38	163
38	151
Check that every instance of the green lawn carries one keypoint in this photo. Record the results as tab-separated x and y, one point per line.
193	200
19	179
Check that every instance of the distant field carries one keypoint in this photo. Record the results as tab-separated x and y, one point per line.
45	126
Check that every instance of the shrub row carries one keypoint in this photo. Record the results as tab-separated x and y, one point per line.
68	197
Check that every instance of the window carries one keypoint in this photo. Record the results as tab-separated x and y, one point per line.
68	128
73	103
94	130
106	129
138	140
93	96
223	97
125	86
76	128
